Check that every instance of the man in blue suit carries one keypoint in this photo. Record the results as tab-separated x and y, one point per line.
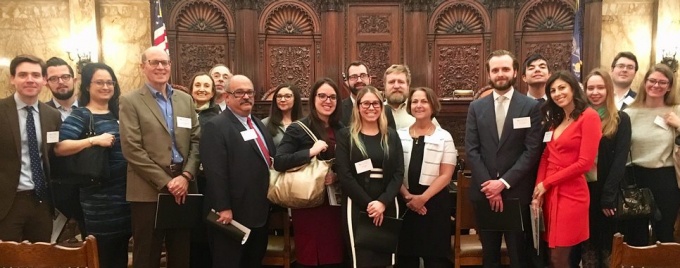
502	143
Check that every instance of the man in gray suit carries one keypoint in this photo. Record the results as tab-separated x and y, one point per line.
159	134
502	141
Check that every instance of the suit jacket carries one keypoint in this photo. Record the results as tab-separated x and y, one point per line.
237	174
146	142
631	94
293	151
10	142
514	157
611	163
347	107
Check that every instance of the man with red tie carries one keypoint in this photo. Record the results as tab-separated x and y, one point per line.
236	151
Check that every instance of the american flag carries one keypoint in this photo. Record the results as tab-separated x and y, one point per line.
160	38
576	40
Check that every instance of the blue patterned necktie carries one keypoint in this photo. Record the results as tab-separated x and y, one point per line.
34	153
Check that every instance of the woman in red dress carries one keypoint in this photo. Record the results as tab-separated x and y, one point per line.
571	147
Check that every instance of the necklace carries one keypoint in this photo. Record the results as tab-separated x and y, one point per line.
413	132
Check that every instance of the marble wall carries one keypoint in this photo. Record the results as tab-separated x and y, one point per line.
116	31
628	25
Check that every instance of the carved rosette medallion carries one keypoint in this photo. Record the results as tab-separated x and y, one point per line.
377	56
201	17
210	54
458	68
549	15
289	19
291	64
373	24
459	19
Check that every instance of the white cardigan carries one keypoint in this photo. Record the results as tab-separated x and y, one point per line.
439	148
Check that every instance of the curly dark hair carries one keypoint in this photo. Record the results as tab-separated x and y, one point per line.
554	114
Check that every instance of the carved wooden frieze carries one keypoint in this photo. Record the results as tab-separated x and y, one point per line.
549	15
557	54
210	54
374	24
289	19
291	64
458	67
460	18
201	17
454	124
377	56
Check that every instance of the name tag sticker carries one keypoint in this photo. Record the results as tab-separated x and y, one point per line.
249	134
659	121
52	136
547	137
628	100
522	122
183	122
363	166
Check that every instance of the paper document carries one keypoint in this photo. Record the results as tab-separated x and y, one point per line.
233	229
334	194
537	226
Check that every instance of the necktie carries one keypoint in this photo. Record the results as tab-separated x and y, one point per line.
36	162
500	115
260	142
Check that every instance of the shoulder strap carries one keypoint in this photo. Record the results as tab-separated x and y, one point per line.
90	124
306	129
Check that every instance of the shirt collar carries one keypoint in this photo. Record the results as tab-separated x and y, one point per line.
243	119
59	106
21	104
155	92
508	94
534	97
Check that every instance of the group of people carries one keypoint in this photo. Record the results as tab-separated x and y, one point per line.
563	149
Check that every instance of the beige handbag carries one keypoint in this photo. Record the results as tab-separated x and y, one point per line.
300	187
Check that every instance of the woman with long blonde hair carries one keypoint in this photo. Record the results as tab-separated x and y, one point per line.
370	166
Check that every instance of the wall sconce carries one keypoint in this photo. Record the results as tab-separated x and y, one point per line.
670	60
84	57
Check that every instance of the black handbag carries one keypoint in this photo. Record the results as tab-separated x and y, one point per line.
383	238
87	167
634	202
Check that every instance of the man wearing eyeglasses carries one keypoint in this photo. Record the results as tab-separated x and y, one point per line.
236	150
357	78
220	74
159	133
624	68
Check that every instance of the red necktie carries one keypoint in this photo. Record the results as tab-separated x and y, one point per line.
260	142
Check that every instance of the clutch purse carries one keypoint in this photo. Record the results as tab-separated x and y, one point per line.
383	238
300	187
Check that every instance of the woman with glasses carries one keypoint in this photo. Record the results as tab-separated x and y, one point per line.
107	214
370	165
604	178
318	235
286	107
655	125
429	161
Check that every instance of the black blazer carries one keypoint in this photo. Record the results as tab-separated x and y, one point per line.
237	175
293	151
611	162
352	183
348	106
514	157
631	94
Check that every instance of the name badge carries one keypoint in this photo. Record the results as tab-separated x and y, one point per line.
52	136
433	140
659	121
249	134
363	166
628	100
522	122
547	137
183	122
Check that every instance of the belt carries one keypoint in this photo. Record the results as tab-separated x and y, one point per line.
175	169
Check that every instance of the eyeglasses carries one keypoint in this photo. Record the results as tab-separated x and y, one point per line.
163	63
284	96
368	104
623	66
661	83
102	83
240	93
55	79
354	77
324	97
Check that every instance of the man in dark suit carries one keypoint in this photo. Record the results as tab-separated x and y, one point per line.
236	151
28	131
159	134
624	67
357	77
220	74
502	140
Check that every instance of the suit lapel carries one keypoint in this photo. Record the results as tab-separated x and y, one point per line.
151	103
240	128
262	129
514	111
491	103
12	116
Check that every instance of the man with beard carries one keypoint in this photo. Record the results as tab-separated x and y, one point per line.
397	82
60	81
502	141
624	68
220	74
236	150
357	78
536	74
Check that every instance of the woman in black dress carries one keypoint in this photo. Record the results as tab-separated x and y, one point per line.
429	159
370	166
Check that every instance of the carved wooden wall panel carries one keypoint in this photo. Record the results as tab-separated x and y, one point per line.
291	65
459	66
374	37
188	65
